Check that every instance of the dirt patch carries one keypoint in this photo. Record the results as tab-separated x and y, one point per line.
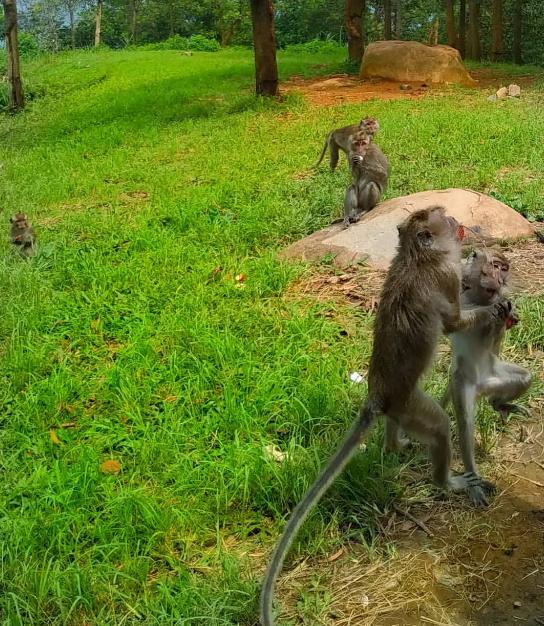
452	565
346	88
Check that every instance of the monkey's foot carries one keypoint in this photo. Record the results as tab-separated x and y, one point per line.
478	488
505	408
397	445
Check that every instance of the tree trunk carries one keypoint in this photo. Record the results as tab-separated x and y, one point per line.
462	37
16	95
387	19
518	22
72	26
450	24
353	20
433	33
264	43
474	29
496	44
98	23
398	20
132	21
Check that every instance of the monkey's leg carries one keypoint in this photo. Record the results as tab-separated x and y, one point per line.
333	154
464	394
425	419
508	383
369	196
350	205
394	442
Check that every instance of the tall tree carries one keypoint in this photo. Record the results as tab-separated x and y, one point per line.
16	95
496	43
387	19
132	20
450	24
462	36
264	44
71	6
98	23
398	19
475	47
518	24
353	19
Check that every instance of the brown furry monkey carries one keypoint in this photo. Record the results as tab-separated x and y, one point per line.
22	234
419	301
370	172
339	139
476	368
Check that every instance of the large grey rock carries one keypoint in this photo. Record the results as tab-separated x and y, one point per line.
374	237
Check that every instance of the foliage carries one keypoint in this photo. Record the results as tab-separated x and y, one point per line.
195	42
28	45
316	46
154	181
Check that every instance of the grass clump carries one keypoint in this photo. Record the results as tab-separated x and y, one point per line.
154	182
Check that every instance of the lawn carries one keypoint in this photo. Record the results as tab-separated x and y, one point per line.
156	327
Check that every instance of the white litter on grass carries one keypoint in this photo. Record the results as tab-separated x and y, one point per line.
356	378
273	453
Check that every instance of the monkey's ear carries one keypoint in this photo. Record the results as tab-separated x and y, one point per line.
425	238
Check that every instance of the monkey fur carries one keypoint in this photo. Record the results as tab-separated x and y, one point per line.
420	300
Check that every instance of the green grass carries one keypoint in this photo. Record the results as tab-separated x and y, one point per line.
144	172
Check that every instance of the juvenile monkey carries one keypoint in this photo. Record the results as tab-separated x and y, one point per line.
476	368
22	234
370	172
339	139
419	301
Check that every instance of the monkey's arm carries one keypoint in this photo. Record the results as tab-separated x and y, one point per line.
456	319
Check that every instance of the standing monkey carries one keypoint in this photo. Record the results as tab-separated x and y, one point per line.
22	234
370	172
419	301
476	368
339	139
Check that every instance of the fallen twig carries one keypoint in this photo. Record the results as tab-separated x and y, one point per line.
529	480
414	519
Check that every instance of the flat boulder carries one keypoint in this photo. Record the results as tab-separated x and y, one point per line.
374	238
411	61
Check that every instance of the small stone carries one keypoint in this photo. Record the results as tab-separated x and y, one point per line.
517	604
492	98
514	91
405	87
502	93
364	601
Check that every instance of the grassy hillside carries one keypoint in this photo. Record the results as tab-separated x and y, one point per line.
155	180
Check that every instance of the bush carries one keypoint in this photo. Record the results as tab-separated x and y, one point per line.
315	46
28	46
195	42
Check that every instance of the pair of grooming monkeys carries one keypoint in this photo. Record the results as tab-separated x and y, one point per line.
427	292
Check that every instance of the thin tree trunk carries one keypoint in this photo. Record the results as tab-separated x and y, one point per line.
398	19
16	95
462	37
518	24
474	29
450	24
98	27
433	33
496	44
132	21
72	26
387	19
353	20
264	43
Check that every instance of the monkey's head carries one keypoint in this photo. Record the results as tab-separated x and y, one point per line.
430	229
369	125
19	220
359	142
485	276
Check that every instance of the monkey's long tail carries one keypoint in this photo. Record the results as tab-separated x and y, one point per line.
324	149
334	467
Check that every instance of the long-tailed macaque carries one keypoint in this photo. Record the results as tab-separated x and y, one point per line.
22	234
476	368
420	300
339	139
370	172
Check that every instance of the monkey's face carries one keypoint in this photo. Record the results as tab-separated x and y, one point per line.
369	125
486	277
359	144
19	220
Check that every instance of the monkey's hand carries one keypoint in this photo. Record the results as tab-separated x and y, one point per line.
502	310
512	319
